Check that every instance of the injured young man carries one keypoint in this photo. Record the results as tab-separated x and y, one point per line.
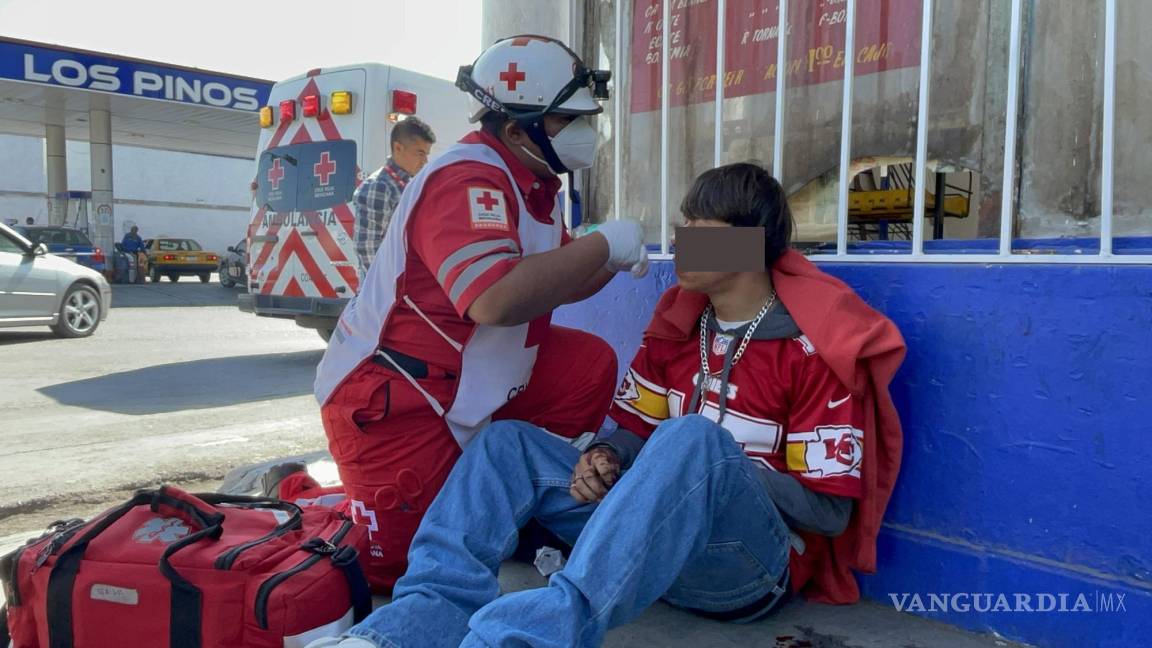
755	451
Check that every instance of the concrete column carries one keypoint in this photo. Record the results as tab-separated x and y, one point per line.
101	219
503	18
56	156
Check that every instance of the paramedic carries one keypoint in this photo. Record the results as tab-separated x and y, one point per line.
451	327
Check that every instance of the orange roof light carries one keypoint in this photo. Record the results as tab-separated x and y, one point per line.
341	102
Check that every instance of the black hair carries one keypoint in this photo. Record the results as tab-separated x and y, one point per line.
493	122
745	195
410	129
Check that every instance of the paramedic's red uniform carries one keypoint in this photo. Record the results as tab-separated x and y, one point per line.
378	423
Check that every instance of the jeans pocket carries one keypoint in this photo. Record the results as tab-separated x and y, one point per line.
725	573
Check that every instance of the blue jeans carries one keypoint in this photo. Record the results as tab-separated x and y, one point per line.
689	522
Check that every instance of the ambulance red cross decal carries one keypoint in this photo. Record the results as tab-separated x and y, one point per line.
275	174
512	76
324	168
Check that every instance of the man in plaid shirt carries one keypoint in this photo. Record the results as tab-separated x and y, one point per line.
376	198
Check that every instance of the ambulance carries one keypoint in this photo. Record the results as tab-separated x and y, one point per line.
321	134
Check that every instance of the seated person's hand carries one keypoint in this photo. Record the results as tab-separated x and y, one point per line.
595	473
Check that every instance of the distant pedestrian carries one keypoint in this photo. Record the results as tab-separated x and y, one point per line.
376	198
133	245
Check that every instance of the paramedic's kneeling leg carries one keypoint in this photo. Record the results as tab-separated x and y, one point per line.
690	521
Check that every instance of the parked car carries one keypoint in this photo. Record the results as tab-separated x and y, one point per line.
172	257
68	242
234	265
40	288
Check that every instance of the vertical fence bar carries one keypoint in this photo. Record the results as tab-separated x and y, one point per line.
617	125
922	130
781	75
1106	173
846	127
1011	117
721	28
665	107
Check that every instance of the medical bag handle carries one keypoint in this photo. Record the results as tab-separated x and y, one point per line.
184	627
169	501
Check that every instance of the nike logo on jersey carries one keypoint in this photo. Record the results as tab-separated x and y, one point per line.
834	404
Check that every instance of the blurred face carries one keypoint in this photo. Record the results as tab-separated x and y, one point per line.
411	155
704	282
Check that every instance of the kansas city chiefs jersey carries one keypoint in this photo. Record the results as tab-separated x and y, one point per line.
784	405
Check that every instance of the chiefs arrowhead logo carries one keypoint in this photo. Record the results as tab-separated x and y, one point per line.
628	390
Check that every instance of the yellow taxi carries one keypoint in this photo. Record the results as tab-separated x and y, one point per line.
173	257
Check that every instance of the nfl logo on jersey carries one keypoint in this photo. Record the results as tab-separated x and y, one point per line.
721	343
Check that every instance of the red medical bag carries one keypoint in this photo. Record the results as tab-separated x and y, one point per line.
168	569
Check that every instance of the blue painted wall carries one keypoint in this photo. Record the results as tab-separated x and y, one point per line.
1026	399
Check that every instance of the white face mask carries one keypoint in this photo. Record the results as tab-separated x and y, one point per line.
575	145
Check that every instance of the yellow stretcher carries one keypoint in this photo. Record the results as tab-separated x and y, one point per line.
898	205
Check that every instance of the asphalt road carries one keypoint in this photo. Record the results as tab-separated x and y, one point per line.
177	386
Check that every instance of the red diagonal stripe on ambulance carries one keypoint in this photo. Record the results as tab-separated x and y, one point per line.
293	289
345	217
294	245
319	279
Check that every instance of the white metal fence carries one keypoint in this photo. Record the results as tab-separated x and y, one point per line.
1005	252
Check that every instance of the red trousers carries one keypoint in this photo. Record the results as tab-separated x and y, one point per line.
378	425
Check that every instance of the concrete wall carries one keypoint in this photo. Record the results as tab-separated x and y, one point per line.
1024	400
163	192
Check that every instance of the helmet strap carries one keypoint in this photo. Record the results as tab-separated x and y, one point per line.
577	205
534	127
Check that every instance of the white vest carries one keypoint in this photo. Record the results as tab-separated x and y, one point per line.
496	363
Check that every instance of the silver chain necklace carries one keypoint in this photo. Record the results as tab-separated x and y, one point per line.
743	343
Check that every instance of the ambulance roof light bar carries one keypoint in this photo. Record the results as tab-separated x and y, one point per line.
287	110
403	106
404	102
311	105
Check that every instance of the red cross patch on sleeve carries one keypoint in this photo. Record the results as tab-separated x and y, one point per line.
488	209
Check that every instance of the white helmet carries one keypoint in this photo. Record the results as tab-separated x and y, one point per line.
529	76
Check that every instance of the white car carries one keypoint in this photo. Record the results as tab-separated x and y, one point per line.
38	288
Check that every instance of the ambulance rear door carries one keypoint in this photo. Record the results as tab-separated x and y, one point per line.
302	251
